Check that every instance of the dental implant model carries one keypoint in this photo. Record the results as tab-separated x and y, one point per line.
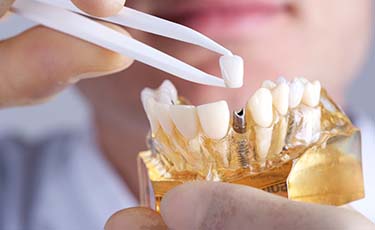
291	139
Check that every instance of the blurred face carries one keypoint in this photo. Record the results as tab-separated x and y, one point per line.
317	39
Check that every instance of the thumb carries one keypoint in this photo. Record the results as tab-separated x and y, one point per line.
210	205
40	62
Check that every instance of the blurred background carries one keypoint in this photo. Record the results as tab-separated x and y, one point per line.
68	110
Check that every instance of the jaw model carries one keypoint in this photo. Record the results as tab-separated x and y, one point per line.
269	112
290	139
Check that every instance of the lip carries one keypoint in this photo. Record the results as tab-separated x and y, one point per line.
226	17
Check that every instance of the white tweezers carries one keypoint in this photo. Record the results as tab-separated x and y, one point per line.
63	16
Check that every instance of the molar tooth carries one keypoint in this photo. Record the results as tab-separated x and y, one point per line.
311	95
268	84
263	138
260	106
280	96
296	90
232	70
168	88
185	119
311	124
163	115
214	119
165	98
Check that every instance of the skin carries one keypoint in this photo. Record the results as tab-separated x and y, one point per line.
308	39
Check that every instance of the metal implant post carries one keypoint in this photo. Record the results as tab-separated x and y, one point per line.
240	138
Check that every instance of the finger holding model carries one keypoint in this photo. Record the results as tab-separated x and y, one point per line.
208	205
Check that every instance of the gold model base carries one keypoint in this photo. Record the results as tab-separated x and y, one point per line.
331	175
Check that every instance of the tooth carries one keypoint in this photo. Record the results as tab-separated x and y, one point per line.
148	101
149	107
232	70
281	80
214	119
310	123
185	119
260	106
165	98
167	88
162	112
268	84
311	95
280	96
263	137
278	141
315	124
296	90
146	93
303	80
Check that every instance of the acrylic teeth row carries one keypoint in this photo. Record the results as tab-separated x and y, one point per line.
214	118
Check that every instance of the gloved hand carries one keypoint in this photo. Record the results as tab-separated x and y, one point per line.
40	62
212	205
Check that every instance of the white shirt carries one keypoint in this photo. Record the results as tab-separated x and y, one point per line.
65	183
61	183
367	205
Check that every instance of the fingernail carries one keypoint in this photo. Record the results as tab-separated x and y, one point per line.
89	75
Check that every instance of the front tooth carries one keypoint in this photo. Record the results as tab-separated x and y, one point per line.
296	90
260	106
214	119
268	84
303	80
281	80
167	88
263	137
163	115
311	95
280	96
185	119
232	70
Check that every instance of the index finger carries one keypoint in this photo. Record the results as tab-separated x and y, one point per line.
100	8
210	205
4	6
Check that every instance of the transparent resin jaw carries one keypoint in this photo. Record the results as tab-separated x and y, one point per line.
288	140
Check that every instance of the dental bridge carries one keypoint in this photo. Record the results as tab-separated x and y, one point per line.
63	16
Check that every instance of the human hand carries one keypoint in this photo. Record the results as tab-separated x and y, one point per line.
209	205
40	62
